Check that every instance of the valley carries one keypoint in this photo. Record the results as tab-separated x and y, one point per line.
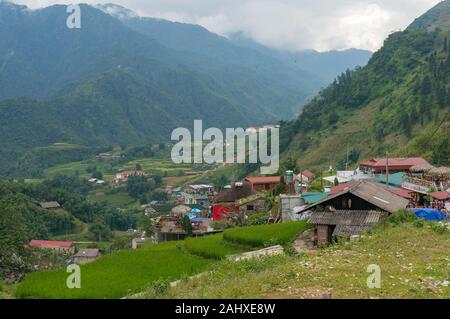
357	205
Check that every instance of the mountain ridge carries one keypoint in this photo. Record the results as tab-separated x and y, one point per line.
402	96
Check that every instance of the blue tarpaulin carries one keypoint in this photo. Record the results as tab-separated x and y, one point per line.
429	214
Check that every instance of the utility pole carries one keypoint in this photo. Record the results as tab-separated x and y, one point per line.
346	162
387	169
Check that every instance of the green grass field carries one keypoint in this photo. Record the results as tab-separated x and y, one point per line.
116	275
214	247
265	235
127	272
121	200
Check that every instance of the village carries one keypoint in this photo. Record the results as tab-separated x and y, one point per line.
348	204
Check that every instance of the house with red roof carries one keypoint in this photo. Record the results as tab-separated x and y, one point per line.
60	246
309	175
440	200
263	183
395	164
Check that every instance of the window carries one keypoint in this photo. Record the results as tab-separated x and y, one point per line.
250	207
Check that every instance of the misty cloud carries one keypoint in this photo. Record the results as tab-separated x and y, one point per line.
287	24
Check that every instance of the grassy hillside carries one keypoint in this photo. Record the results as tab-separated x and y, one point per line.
127	272
399	103
413	261
115	275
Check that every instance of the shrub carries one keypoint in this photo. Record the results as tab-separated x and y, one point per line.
257	219
419	223
438	227
401	217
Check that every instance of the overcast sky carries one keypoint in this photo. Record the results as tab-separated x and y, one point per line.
287	24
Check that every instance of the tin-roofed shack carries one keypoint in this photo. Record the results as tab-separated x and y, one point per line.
352	210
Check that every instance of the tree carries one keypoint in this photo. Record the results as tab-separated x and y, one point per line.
426	85
138	167
138	185
186	225
220	182
333	117
97	175
143	199
159	195
121	243
100	232
158	180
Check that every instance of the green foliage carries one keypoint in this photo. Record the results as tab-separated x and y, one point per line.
401	95
121	243
139	185
100	232
186	224
419	223
212	247
401	217
265	235
116	275
159	195
439	227
255	219
97	175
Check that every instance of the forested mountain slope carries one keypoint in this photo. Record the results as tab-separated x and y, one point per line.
399	103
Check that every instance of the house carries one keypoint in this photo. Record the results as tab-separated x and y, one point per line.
84	256
59	246
198	194
50	205
361	195
342	223
351	209
263	183
440	199
225	201
138	242
123	176
398	164
251	204
309	175
149	210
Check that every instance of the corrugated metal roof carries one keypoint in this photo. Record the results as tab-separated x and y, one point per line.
89	252
373	193
346	217
47	205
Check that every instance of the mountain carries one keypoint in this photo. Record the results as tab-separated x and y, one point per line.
399	103
107	84
325	65
214	53
436	17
